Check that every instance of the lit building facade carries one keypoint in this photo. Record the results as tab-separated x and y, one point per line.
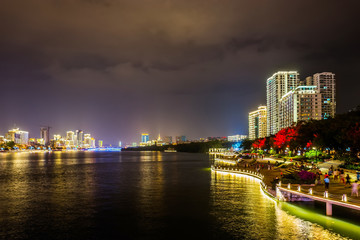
301	104
258	123
144	139
277	86
45	134
236	138
326	85
17	136
290	100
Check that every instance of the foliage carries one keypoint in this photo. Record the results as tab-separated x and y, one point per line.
341	134
193	147
307	177
350	166
313	154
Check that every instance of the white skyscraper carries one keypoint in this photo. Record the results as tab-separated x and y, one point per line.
277	86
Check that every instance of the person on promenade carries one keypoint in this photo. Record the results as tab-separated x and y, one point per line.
342	176
347	180
336	175
355	189
318	177
327	182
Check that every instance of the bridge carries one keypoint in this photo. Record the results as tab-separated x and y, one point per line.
294	192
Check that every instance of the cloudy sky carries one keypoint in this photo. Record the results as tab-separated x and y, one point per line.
116	68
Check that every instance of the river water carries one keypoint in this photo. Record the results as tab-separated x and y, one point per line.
144	195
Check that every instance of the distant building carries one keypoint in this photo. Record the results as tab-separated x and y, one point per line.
2	139
236	138
70	135
100	143
180	139
17	136
258	123
45	134
57	137
79	136
144	139
87	141
168	139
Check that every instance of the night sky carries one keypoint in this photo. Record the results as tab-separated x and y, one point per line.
196	68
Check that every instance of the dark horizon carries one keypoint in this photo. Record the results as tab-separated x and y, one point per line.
116	69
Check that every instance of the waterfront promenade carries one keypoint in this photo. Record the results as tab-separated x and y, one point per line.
338	193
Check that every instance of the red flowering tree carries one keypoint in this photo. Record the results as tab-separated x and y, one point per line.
286	138
259	143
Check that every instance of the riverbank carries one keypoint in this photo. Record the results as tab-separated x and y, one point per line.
338	192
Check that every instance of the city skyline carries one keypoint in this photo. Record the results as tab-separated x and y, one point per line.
175	68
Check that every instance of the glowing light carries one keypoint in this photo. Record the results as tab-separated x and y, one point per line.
344	197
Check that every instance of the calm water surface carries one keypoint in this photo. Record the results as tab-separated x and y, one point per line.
147	195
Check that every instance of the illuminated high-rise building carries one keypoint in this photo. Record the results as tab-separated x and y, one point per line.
87	141
100	143
287	103
70	135
326	86
79	138
144	138
258	123
45	134
301	104
180	139
17	136
277	86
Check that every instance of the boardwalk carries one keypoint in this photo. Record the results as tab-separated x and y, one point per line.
338	194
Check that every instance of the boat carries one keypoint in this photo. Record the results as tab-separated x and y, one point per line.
170	150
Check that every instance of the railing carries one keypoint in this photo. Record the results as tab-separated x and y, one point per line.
310	192
240	171
326	197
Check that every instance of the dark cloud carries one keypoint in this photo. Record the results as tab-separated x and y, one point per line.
119	67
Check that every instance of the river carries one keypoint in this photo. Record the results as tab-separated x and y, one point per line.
144	195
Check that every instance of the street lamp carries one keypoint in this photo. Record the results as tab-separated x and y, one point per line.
315	153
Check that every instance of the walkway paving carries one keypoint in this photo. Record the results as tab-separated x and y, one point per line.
336	189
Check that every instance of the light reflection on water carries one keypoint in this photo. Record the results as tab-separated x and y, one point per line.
241	208
148	195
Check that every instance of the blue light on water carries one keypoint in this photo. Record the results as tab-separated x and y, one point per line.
110	149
